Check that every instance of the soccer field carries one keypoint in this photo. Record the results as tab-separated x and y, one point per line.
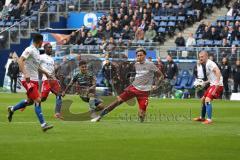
167	134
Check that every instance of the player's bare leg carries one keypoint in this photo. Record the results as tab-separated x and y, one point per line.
108	109
20	106
141	115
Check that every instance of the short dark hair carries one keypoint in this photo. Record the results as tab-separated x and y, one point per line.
82	63
46	45
141	50
37	38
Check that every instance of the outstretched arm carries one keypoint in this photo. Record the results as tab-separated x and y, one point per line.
68	86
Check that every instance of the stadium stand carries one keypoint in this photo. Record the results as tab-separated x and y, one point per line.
125	26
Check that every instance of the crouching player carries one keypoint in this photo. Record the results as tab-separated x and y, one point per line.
213	91
87	84
47	64
140	88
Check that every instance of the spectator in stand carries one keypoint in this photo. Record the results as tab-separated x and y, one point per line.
180	41
89	40
130	14
126	32
125	20
72	38
147	20
1	5
226	72
206	33
133	3
224	32
139	35
219	27
132	33
100	33
155	9
108	32
124	7
237	34
236	25
111	46
150	34
135	20
103	45
225	43
214	35
181	11
81	36
121	45
231	34
143	25
190	41
236	76
113	14
198	7
188	4
94	31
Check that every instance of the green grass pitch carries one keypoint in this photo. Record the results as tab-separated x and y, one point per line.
167	134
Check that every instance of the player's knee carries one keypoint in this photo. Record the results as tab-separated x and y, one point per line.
29	102
37	100
43	99
91	95
119	99
207	100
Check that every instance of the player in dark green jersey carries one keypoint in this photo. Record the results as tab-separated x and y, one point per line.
87	84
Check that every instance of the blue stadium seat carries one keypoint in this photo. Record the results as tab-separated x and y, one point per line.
189	84
217	42
173	18
237	18
161	30
162	24
208	42
229	18
156	18
184	80
181	18
200	43
171	24
221	18
2	23
236	43
164	18
178	82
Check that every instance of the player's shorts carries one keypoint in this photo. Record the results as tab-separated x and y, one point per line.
50	85
131	92
97	100
210	90
32	89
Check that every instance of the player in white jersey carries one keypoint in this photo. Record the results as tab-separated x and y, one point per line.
47	64
213	91
29	64
140	87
